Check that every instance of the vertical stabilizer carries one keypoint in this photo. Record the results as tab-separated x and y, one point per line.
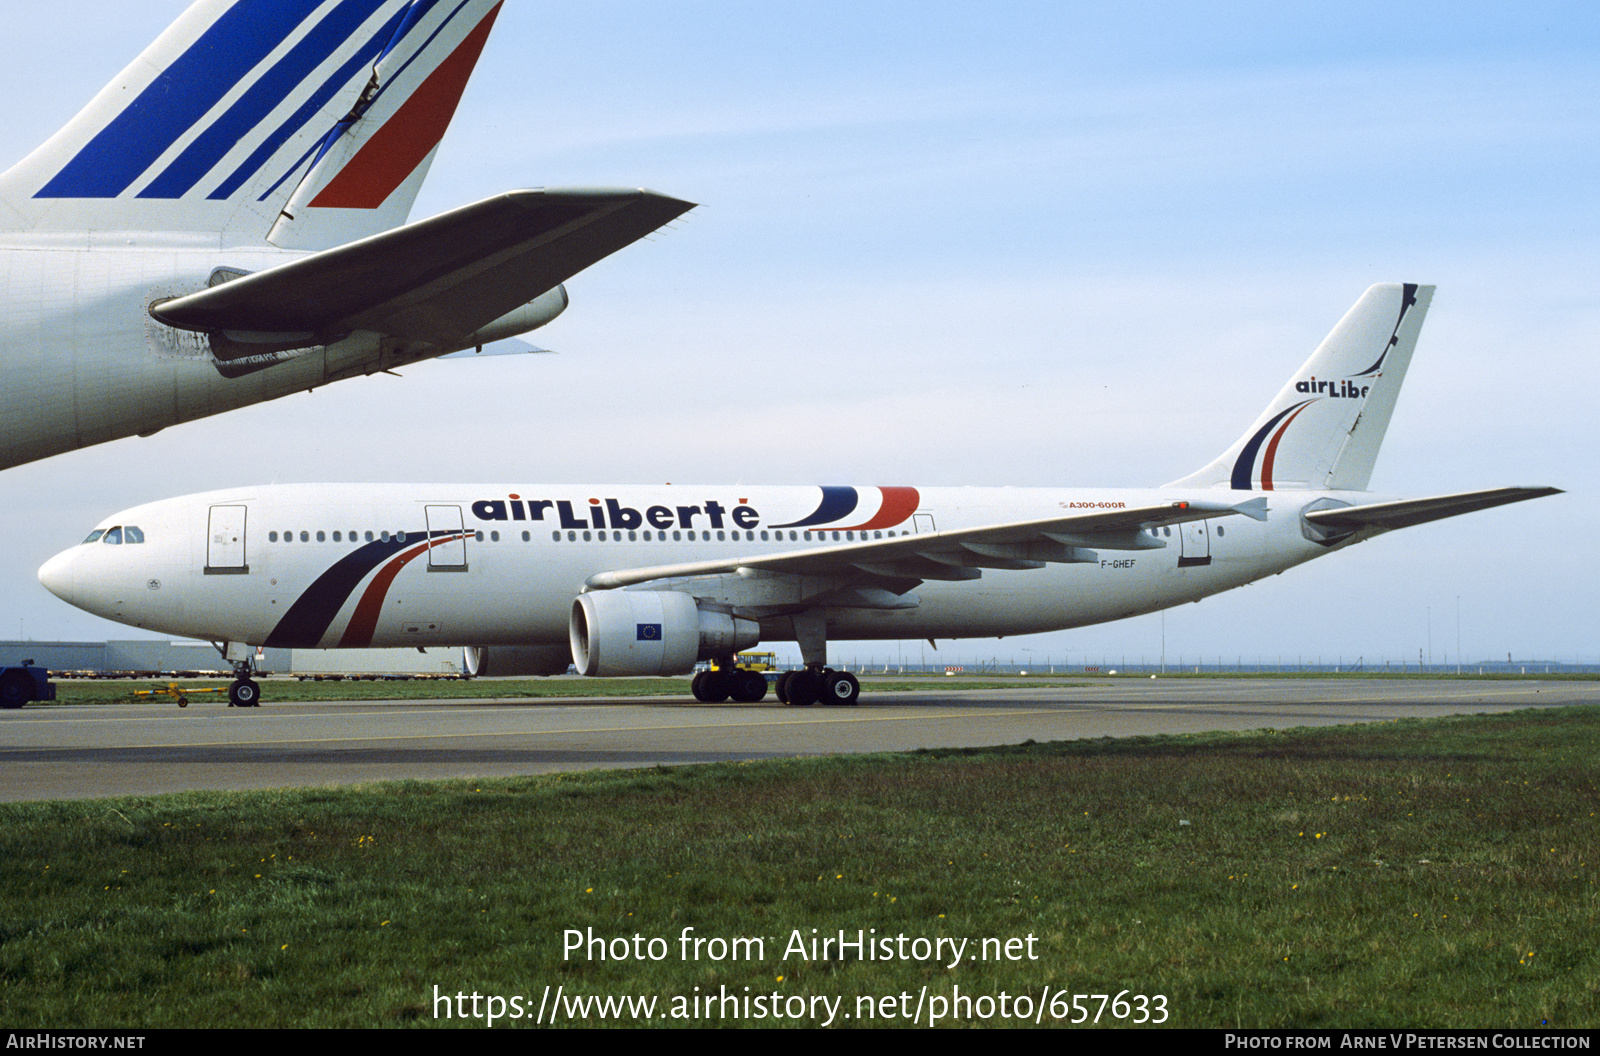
1324	428
240	103
367	170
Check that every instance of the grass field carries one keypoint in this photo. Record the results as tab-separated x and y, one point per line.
1411	874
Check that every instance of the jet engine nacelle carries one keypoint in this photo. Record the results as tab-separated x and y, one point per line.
482	661
530	316
651	632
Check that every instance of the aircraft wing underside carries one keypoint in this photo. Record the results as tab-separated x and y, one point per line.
879	573
438	280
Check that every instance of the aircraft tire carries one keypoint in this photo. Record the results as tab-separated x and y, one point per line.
781	688
710	687
803	687
749	686
840	689
244	694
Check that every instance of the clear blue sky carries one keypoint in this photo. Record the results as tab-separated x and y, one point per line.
950	243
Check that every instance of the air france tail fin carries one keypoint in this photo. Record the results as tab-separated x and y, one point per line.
1324	428
306	122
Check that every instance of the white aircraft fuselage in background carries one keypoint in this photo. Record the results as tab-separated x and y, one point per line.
225	223
633	580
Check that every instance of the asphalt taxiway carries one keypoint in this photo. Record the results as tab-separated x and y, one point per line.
62	752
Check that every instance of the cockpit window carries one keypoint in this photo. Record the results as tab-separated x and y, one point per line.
117	536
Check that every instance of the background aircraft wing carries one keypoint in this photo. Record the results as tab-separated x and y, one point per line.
957	554
438	280
1407	512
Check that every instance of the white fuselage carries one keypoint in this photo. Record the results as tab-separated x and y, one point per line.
84	362
325	565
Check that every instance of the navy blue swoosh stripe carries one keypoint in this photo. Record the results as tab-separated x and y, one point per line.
1247	458
837	502
364	57
230	47
251	108
1408	297
309	618
412	16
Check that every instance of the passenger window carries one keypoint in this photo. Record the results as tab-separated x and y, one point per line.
305	537
322	537
272	537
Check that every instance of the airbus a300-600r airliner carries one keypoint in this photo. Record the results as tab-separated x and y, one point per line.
648	580
225	223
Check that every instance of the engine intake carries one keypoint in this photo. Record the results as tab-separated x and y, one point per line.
651	632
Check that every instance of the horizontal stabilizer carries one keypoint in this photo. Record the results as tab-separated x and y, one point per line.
438	280
1407	512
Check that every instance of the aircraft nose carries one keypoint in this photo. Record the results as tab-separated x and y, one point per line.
57	576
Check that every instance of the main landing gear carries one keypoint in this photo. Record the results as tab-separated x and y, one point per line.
816	683
821	685
724	680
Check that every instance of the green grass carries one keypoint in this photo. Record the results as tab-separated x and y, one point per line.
1434	873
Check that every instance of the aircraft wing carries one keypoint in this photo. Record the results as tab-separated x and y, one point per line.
438	280
1408	512
957	554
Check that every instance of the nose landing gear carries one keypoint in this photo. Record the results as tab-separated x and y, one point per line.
243	692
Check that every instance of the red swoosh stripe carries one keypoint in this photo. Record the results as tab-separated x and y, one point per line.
394	151
898	504
1272	448
364	621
